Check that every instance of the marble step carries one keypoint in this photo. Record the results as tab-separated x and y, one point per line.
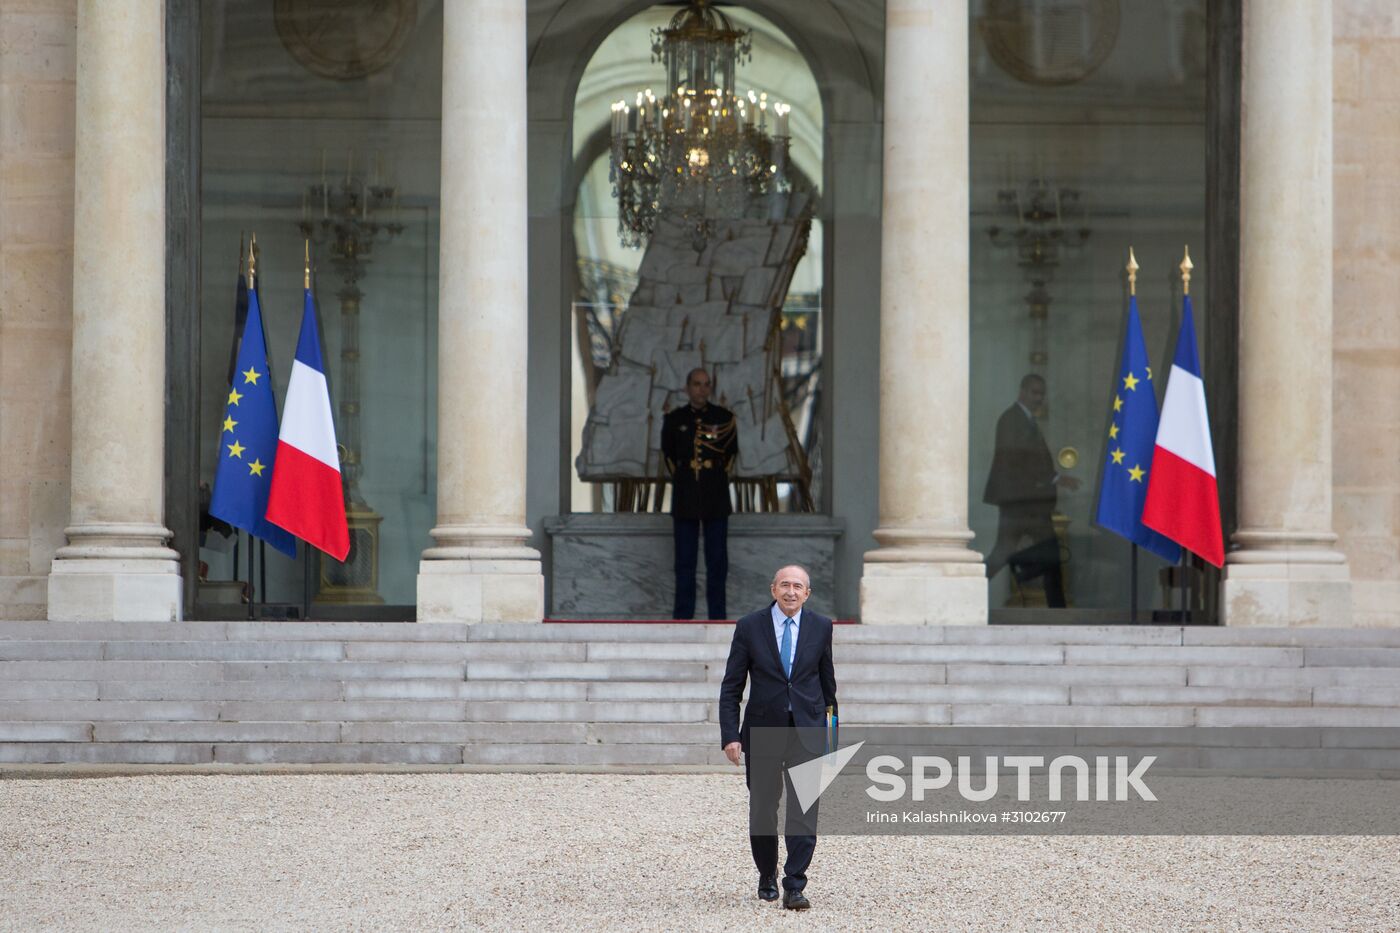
569	755
844	653
227	689
1324	716
254	753
232	631
305	650
561	754
511	722
1320	676
1230	656
489	680
672	633
228	710
1115	695
668	671
209	671
565	755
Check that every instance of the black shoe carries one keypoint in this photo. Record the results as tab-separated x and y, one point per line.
768	888
795	900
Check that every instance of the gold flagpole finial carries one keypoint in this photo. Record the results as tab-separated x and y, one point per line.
1132	272
306	267
1186	268
253	261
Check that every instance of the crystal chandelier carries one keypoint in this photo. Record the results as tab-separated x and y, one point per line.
701	152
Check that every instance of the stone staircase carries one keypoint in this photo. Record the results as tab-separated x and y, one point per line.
626	696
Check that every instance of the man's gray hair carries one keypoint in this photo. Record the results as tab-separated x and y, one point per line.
805	572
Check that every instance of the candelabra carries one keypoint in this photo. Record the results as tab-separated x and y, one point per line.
701	151
1040	239
355	213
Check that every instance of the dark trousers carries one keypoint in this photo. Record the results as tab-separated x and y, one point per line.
1016	523
800	832
687	535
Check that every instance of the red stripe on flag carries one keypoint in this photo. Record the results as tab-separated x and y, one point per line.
1183	503
306	499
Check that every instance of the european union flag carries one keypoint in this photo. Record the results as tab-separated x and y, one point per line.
248	441
1132	437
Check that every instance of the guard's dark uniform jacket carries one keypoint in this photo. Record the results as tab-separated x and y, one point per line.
700	448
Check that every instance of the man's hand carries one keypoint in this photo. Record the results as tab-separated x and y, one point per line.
733	750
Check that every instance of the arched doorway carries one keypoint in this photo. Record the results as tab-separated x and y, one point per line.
836	147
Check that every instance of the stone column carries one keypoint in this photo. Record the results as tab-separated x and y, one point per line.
1285	569
924	571
116	565
481	569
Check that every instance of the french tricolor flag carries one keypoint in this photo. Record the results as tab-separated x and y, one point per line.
1183	499
306	497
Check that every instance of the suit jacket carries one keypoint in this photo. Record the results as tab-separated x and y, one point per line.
753	656
700	448
1023	472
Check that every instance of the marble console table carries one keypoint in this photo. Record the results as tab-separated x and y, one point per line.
621	565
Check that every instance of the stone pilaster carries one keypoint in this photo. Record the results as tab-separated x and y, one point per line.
116	565
924	571
481	568
1286	569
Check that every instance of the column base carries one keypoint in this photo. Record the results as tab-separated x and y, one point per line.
923	593
480	591
1286	593
480	572
1286	578
115	590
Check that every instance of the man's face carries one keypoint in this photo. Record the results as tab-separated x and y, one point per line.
698	388
791	589
1033	395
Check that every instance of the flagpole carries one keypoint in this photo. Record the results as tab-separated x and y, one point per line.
1133	587
1187	570
308	549
1133	579
237	324
252	590
262	545
232	367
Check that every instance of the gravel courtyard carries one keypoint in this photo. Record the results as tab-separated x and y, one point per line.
591	852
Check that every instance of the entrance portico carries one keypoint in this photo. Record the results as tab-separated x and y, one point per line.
503	255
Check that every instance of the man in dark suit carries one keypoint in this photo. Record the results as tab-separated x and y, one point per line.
785	654
1022	484
700	442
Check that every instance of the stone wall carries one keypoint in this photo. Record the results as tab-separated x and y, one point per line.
621	566
37	102
1366	293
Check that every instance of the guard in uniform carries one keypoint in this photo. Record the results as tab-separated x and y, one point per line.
700	442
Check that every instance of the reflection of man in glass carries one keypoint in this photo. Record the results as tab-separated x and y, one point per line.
1022	484
700	442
